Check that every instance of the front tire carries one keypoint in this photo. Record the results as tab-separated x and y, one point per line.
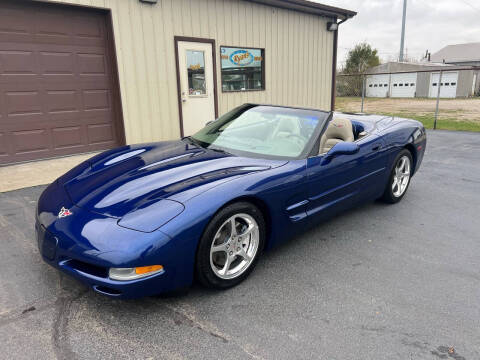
230	246
399	178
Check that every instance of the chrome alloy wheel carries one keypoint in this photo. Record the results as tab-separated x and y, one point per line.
401	177
234	246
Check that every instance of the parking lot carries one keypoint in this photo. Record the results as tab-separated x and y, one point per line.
378	282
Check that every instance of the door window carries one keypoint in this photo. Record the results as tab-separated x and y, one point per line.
196	73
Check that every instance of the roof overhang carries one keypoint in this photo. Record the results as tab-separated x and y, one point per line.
310	7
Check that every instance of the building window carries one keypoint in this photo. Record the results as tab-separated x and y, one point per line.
243	69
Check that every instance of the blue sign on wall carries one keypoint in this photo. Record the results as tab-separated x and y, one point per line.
240	57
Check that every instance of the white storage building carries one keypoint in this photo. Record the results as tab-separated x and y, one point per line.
408	80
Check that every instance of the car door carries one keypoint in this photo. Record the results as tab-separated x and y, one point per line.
338	183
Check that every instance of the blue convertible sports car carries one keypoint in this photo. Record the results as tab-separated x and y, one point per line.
145	219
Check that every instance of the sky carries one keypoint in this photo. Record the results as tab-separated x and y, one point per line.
431	24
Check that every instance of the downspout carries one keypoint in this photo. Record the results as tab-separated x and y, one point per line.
334	64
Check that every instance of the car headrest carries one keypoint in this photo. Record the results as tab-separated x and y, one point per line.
340	128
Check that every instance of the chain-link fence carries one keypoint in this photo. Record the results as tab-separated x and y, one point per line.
442	99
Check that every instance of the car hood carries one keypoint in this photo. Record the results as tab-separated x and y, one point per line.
123	180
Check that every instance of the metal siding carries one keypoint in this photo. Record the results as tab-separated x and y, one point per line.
464	84
477	84
423	84
298	56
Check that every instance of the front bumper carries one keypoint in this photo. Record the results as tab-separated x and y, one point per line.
85	245
94	275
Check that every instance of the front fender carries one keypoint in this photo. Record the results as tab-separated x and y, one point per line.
277	189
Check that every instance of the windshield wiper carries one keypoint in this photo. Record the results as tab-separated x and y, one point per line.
199	143
193	141
219	150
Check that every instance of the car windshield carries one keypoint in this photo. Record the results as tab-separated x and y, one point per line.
258	130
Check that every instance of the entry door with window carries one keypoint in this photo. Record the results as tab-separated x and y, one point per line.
195	63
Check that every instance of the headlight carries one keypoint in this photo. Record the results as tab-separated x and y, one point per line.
124	274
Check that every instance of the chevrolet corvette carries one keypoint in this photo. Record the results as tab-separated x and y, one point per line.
150	218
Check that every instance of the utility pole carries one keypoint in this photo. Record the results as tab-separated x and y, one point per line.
402	41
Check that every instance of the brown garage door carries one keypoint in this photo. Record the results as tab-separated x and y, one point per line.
57	86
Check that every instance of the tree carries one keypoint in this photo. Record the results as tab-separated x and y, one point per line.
361	58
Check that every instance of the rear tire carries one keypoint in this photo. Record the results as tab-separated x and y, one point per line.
230	246
399	179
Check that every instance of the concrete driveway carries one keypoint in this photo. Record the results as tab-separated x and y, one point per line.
41	172
378	282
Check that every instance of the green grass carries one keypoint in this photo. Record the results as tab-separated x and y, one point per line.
442	124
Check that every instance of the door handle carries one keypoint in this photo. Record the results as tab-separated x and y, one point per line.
184	98
377	147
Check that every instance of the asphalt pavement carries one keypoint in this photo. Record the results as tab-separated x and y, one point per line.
377	282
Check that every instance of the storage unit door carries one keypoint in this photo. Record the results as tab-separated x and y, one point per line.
377	85
57	93
404	85
448	87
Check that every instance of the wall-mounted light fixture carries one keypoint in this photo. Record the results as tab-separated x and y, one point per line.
332	26
149	1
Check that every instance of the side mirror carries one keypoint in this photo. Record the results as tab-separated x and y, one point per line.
342	148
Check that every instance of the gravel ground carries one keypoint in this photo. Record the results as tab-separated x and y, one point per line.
378	282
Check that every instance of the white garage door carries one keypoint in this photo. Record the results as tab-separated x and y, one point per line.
377	85
448	88
404	85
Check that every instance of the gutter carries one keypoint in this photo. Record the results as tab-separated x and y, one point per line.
309	7
334	65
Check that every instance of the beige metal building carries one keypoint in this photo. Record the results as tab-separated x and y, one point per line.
85	75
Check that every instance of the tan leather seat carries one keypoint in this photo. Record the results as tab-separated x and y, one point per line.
339	129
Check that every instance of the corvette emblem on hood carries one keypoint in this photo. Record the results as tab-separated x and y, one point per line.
64	213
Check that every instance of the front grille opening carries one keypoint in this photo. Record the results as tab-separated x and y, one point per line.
88	268
106	290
